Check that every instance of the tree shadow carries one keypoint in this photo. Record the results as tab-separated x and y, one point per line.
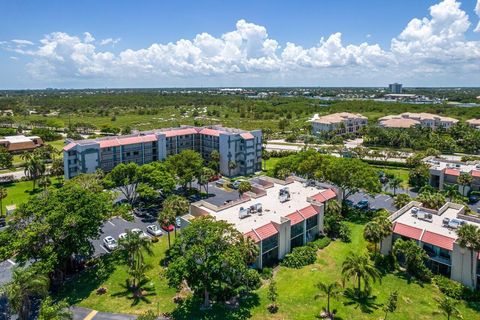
190	309
409	278
364	301
132	294
81	285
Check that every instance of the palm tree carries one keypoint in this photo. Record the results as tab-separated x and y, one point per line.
401	200
134	245
204	178
359	267
465	179
469	238
244	186
26	282
44	182
166	217
329	290
3	195
451	191
372	233
231	166
395	183
34	168
178	204
448	306
215	161
251	249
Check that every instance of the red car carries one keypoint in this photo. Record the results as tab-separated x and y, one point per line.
214	178
169	228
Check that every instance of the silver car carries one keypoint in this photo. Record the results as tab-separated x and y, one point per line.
154	230
110	243
140	232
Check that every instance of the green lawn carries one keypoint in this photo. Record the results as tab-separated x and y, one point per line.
296	290
58	144
401	173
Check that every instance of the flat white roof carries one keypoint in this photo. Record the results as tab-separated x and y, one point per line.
19	138
440	164
272	208
451	211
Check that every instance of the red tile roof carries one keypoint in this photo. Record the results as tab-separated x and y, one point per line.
325	195
295	218
210	132
252	235
308	212
266	231
180	132
109	143
452	172
130	140
149	138
407	231
475	173
438	240
69	146
246	135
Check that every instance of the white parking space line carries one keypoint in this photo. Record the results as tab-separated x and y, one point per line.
386	200
378	196
12	263
111	223
104	249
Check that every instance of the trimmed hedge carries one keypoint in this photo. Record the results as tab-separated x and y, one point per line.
387	163
300	257
320	243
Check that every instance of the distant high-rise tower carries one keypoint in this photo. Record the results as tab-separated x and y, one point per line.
395	88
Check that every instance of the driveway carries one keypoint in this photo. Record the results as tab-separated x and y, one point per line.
378	201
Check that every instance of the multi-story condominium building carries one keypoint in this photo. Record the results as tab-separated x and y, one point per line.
436	232
444	172
21	143
339	123
474	123
238	147
424	120
278	215
395	88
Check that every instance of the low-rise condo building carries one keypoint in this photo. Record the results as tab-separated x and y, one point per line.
339	123
436	232
424	120
278	215
240	151
474	123
446	172
21	143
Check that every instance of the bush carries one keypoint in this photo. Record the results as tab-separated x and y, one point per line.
46	134
344	233
300	257
8	132
266	273
450	288
320	243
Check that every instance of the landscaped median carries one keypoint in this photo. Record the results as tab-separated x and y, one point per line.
296	290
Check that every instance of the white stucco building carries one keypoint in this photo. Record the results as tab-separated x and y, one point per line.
339	123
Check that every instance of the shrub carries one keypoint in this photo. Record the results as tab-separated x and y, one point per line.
344	233
300	257
450	288
266	273
46	134
320	243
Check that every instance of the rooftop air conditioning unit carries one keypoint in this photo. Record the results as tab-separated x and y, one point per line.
243	213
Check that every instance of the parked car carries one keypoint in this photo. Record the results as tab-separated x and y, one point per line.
122	236
473	199
110	243
169	228
178	222
362	205
348	203
236	184
154	230
139	232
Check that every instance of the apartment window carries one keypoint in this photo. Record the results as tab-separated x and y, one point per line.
270	258
312	222
270	243
296	230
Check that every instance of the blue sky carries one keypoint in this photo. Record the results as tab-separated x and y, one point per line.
364	43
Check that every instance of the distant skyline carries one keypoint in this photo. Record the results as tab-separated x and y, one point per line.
251	43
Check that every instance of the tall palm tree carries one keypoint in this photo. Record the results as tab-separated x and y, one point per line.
373	233
34	169
359	267
394	184
215	161
251	249
329	290
3	195
166	217
26	282
469	238
231	166
451	191
178	204
204	178
465	179
134	245
448	306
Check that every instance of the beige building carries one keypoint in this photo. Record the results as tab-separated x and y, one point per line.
277	214
436	232
339	123
474	123
424	120
21	143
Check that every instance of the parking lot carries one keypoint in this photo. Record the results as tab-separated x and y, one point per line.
376	202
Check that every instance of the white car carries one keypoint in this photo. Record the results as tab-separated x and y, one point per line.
140	232
110	243
154	230
122	236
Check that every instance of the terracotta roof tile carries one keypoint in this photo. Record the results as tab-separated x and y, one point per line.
266	231
407	231
452	172
438	240
180	132
246	135
295	218
69	146
325	195
252	235
308	212
475	173
210	132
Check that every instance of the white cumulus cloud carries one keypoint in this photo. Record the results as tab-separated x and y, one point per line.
432	44
477	11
